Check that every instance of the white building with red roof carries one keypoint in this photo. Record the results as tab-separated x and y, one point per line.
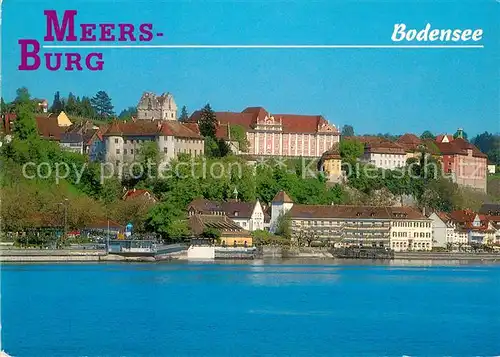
123	139
463	228
278	134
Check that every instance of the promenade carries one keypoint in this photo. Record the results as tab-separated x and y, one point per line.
82	255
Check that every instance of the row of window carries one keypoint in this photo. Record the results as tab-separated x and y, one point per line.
165	150
412	224
339	223
184	151
408	235
415	245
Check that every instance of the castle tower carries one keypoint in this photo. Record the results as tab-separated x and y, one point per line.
281	204
158	107
331	164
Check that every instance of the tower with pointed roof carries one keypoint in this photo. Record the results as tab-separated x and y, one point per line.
281	204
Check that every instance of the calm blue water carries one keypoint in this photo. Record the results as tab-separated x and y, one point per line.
250	310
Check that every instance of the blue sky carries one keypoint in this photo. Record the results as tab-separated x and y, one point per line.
375	90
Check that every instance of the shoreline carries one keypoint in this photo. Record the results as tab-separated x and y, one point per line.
67	256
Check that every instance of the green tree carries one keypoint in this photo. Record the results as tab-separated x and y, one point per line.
351	150
169	220
208	122
489	144
25	125
238	134
102	105
71	104
149	159
211	233
23	97
427	135
128	113
184	114
56	104
283	226
347	130
86	108
6	107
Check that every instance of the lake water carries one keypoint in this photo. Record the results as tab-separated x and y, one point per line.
250	309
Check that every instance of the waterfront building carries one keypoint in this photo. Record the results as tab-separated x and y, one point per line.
278	134
159	107
462	228
231	234
123	140
463	162
478	228
445	231
398	228
248	215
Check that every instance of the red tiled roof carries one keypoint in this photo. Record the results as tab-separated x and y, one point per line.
152	128
232	209
409	139
368	139
445	217
385	147
332	153
249	117
180	130
199	222
459	146
440	138
136	193
49	128
359	212
282	197
409	142
47	125
462	216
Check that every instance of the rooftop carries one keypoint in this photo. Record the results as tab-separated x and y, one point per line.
249	117
354	212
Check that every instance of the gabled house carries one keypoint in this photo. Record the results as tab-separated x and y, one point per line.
478	228
248	215
84	138
231	234
445	231
139	194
